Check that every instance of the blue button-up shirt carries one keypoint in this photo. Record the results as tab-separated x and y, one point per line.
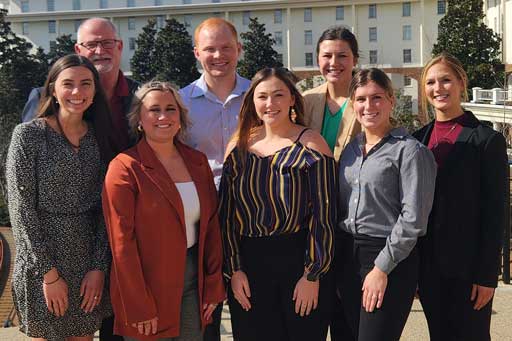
213	121
388	193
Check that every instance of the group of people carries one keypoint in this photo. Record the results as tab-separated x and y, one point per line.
137	208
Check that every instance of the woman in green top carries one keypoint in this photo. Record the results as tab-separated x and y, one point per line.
326	107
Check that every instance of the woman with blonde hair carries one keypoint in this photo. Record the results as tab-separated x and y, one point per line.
160	207
460	255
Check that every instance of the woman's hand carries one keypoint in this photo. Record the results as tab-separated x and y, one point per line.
241	290
374	287
305	296
208	311
481	295
91	290
55	290
147	327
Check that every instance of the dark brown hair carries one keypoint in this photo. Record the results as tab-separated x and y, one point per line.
365	76
98	113
339	33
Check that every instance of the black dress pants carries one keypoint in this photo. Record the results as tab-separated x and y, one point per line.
448	308
107	330
387	322
273	266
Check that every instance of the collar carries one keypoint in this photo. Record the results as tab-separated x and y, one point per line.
148	157
399	133
201	88
122	89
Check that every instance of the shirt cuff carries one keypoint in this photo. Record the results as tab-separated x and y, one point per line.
384	262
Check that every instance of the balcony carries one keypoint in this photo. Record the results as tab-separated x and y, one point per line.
495	96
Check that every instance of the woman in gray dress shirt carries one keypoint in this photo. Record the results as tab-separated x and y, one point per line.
387	185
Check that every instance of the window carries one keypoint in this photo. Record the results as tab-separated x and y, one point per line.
407	81
24	28
372	32
340	13
406	9
217	14
52	26
215	0
246	17
309	58
130	3
278	16
131	43
406	32
441	6
131	24
308	15
278	37
372	11
373	56
103	3
407	56
279	58
24	6
187	20
158	2
308	37
186	2
160	21
77	5
78	22
53	45
50	5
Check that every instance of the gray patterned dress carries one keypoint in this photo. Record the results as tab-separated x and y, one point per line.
54	198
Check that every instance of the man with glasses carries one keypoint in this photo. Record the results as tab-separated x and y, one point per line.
97	40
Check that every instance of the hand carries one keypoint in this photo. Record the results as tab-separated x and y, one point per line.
482	295
208	311
374	287
241	290
91	290
146	327
305	296
56	293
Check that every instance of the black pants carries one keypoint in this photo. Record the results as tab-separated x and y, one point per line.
212	331
273	266
448	308
107	330
387	322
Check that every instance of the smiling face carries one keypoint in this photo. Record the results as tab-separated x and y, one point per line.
443	89
217	49
105	60
160	116
336	61
74	90
272	101
373	107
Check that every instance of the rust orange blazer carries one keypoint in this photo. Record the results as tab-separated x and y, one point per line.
146	227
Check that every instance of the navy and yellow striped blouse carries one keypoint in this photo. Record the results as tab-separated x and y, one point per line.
293	189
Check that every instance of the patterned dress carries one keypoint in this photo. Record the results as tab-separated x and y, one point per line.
55	208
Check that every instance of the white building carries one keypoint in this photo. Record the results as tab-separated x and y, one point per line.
393	34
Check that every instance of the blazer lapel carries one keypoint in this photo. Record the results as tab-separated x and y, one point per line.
345	131
158	175
318	108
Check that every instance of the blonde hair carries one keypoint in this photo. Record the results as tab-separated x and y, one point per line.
138	98
215	22
455	65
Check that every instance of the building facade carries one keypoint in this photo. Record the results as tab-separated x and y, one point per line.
394	35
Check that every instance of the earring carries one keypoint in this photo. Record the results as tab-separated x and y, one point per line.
293	115
139	128
56	100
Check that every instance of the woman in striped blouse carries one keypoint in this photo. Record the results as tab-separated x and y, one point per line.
278	192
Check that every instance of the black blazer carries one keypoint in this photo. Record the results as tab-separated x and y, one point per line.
471	206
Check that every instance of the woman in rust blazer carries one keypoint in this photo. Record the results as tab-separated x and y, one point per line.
160	204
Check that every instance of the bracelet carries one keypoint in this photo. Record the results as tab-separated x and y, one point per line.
54	281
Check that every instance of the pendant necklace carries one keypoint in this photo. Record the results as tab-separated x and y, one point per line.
436	143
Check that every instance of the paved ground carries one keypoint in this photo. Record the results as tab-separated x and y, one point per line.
415	330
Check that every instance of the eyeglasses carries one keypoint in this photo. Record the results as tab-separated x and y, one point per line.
106	44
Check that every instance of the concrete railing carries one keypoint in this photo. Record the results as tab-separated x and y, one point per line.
492	96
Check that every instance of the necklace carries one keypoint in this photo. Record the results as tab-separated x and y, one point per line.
64	134
436	143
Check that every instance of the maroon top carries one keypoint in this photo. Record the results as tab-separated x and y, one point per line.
443	137
119	121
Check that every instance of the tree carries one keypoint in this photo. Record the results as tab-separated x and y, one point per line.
463	34
174	58
402	113
143	62
258	50
64	45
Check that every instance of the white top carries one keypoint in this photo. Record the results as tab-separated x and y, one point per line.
190	199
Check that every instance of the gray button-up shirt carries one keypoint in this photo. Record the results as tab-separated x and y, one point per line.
213	121
388	193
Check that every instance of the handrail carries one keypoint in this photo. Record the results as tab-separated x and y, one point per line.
494	96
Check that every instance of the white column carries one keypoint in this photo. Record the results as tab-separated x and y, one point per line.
422	24
288	43
354	20
57	29
475	94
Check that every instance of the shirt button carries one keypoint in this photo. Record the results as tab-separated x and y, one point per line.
351	220
357	181
355	201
